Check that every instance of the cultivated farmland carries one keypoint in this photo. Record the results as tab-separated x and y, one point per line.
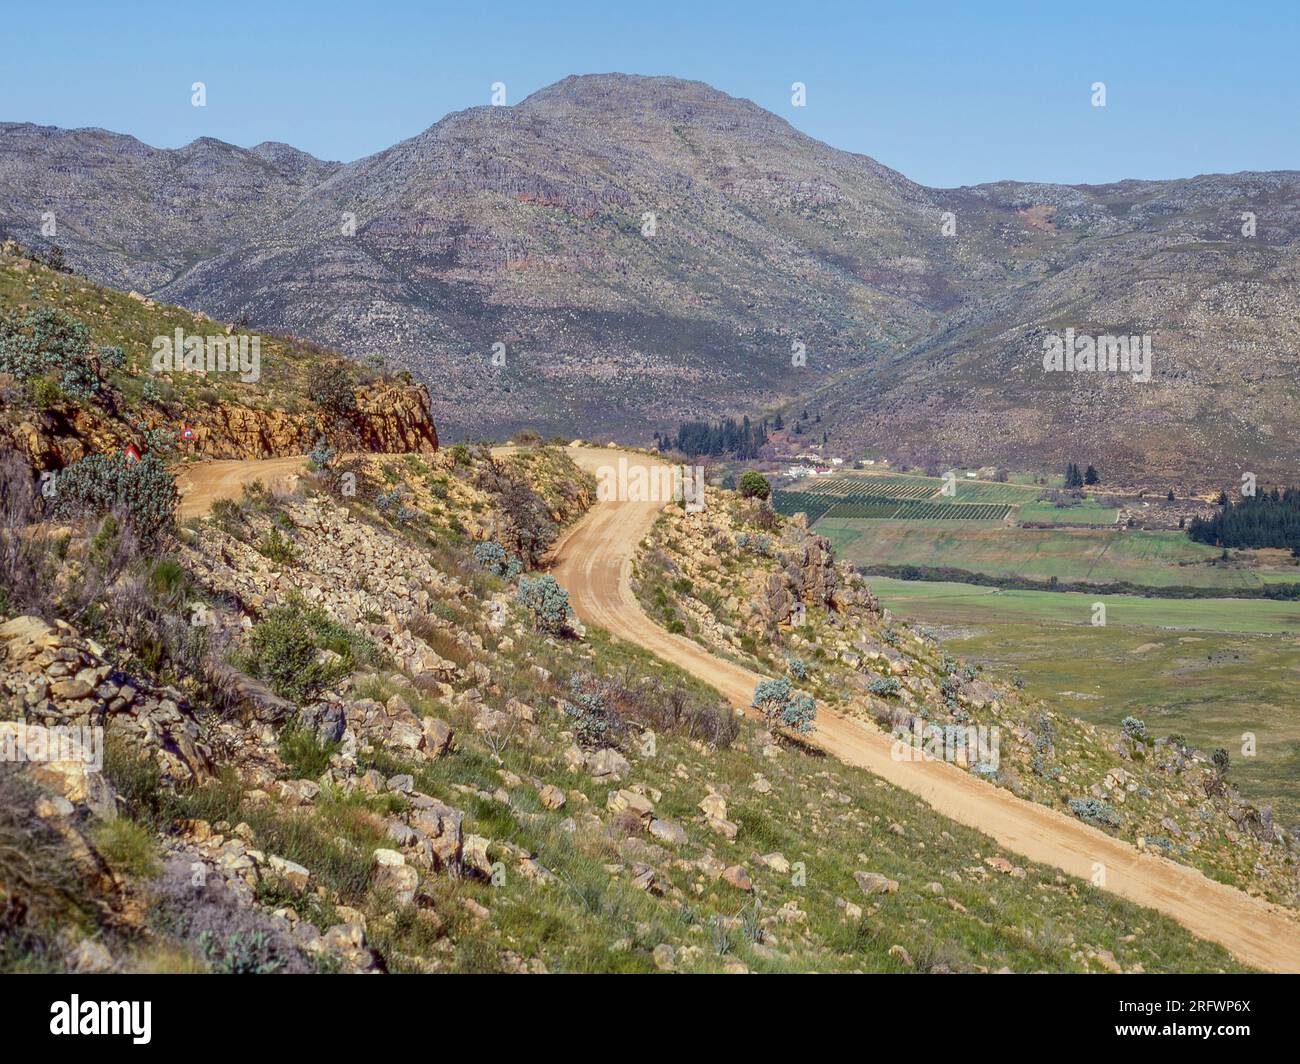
899	497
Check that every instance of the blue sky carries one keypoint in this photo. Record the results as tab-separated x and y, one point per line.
947	93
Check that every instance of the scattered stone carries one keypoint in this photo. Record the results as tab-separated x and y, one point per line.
738	877
394	875
607	763
668	831
874	883
551	796
292	875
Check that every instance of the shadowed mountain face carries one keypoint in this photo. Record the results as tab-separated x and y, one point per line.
647	249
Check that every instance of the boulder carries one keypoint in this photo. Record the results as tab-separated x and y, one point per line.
875	883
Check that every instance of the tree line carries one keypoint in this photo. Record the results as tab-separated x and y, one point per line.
1270	519
1076	479
737	439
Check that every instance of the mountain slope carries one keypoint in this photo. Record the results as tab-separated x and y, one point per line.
527	226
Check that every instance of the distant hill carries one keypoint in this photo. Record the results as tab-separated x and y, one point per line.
530	226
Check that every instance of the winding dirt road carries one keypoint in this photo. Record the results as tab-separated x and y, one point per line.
593	561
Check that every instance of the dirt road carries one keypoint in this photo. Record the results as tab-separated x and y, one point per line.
593	561
203	483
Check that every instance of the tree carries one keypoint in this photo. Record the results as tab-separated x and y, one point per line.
1170	496
753	485
741	439
330	386
1091	476
1271	519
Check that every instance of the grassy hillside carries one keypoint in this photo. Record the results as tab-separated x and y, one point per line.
615	816
103	342
730	577
1210	669
131	323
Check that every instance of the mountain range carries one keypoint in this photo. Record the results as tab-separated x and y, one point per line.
616	253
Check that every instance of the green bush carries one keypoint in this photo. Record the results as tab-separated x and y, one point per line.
144	491
885	685
546	601
782	706
753	485
1094	811
1134	729
331	387
277	548
589	711
493	557
43	392
286	646
50	342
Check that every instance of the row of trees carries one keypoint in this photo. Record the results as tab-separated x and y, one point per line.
1270	519
736	439
1076	479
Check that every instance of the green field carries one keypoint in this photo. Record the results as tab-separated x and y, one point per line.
1210	669
904	497
968	604
900	497
854	487
1152	559
1087	512
892	510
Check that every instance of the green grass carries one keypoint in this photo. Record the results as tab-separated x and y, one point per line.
1088	512
128	847
1151	559
966	603
1211	669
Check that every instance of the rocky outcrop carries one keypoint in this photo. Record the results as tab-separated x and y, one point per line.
806	574
51	677
395	419
390	419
